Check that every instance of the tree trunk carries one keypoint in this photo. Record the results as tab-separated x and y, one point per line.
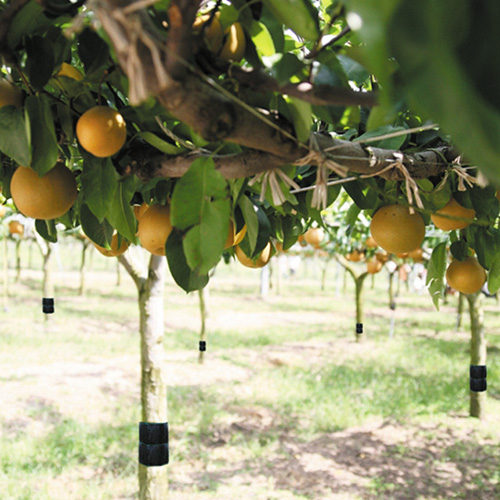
359	281
18	260
392	302
460	310
477	351
323	276
153	481
85	245
202	294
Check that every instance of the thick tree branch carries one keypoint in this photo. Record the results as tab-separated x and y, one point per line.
320	95
353	156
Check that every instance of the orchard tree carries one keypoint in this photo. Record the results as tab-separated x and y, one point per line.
221	115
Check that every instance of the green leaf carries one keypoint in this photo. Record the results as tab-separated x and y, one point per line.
301	113
262	39
93	52
183	275
28	20
435	273
298	15
353	70
200	184
494	275
200	203
249	211
160	144
204	243
389	143
13	138
47	229
98	232
459	250
40	61
449	43
121	215
42	134
99	184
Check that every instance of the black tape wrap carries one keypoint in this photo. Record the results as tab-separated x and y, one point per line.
48	305
203	345
153	444
359	328
478	374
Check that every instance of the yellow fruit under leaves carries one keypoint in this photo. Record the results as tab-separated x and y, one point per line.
235	44
10	94
154	228
453	209
396	230
260	261
69	72
314	236
114	250
46	197
466	276
101	131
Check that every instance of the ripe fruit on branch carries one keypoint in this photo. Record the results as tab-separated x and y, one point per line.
15	227
355	256
3	210
46	197
70	72
453	209
101	131
466	276
139	210
235	44
373	265
417	255
233	237
260	261
10	94
212	33
314	236
114	251
370	242
154	228
396	230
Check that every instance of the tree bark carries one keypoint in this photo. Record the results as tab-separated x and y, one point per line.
460	311
153	481
202	295
85	245
18	260
477	351
359	281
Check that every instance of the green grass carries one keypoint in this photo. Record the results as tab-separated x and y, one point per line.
288	375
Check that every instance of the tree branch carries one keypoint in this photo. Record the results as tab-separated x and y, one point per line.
320	95
356	158
135	271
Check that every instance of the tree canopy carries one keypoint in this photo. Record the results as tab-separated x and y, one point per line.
261	113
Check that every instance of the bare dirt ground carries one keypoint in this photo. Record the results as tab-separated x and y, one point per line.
379	460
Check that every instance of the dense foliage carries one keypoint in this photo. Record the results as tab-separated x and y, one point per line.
393	101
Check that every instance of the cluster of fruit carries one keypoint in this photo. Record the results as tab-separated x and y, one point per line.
395	229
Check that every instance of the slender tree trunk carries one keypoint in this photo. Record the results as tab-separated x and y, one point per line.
153	481
460	310
359	282
392	302
85	245
18	260
477	351
202	294
118	274
48	285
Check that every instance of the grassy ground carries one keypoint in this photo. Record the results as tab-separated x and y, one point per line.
286	406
